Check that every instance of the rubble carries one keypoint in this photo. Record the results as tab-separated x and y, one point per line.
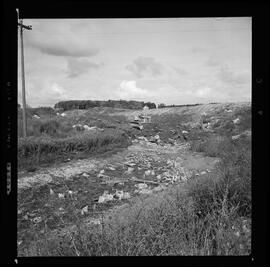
141	186
105	197
236	121
84	210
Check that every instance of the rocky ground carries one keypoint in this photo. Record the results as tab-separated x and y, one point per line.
54	199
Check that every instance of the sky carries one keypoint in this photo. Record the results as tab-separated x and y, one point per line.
162	60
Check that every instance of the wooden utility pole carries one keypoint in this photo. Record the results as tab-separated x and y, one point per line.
22	27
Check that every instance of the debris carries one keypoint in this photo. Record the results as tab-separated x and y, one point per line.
63	114
236	121
203	172
84	210
184	132
129	170
159	177
141	186
105	197
51	192
145	191
37	220
70	192
111	168
36	116
60	195
85	175
228	110
152	172
235	137
148	172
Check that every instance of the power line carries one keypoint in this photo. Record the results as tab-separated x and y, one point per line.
167	32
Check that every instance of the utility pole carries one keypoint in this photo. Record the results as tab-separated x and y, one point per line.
22	27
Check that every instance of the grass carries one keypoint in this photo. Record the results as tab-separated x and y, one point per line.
35	151
209	215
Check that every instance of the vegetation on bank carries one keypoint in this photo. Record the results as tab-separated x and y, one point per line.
36	151
209	215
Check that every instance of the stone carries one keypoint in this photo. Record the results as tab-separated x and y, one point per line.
51	192
141	186
60	195
148	172
145	191
84	210
85	175
203	172
130	170
37	220
236	121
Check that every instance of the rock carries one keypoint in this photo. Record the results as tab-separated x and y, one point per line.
84	210
228	110
145	191
141	186
203	172
102	171
129	170
152	172
60	195
111	168
148	172
105	197
158	177
37	220
36	116
85	175
235	137
236	121
70	192
63	114
51	192
184	132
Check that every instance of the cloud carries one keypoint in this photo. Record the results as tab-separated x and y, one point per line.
228	76
61	38
212	63
129	90
77	67
203	92
196	50
145	65
61	49
180	71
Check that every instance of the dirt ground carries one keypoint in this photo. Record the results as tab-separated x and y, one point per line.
52	199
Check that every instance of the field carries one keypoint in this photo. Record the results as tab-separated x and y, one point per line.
187	192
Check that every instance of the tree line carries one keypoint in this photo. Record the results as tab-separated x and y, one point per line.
86	104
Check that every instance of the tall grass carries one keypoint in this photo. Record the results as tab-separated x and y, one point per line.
45	149
209	215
